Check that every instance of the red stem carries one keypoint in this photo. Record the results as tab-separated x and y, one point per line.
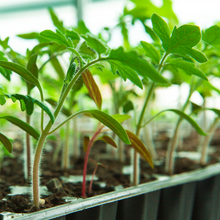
86	160
93	175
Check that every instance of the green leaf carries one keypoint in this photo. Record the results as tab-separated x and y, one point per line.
5	72
121	118
95	43
6	142
23	125
161	29
46	109
128	106
151	52
27	103
56	65
183	115
32	67
23	72
73	35
57	23
57	37
105	119
138	145
119	58
216	111
188	68
183	39
92	87
86	50
108	140
212	35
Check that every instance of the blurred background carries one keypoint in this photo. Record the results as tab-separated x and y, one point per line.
24	16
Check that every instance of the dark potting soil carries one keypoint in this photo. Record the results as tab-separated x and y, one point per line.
109	172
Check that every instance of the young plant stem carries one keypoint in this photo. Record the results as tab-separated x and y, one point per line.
93	175
65	161
169	164
45	132
28	151
207	139
91	142
140	121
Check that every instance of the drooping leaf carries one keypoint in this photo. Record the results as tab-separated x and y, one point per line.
138	145
23	125
121	118
27	103
6	142
105	119
57	23
86	140
187	67
108	140
151	52
95	43
119	59
161	29
93	88
55	37
32	67
184	116
182	41
56	65
46	109
212	35
23	72
215	110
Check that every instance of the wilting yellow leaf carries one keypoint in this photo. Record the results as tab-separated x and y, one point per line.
138	145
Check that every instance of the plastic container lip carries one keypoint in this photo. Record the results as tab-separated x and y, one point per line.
80	204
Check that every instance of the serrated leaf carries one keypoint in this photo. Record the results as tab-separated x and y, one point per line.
6	142
23	125
108	140
183	115
130	59
55	37
212	35
87	51
151	52
183	39
57	23
95	43
138	145
32	67
161	29
86	140
188	67
121	118
92	87
73	35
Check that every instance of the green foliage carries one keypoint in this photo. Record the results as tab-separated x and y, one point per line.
6	142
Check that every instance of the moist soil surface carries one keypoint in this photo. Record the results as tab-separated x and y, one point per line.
109	171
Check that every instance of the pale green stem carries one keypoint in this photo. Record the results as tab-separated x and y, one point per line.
45	132
66	148
207	139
